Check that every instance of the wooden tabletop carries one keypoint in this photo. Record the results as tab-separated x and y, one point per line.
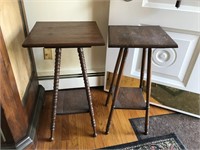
140	37
64	35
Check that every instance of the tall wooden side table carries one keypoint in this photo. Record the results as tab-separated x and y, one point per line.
124	37
66	35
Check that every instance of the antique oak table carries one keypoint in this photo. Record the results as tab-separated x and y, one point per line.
66	35
146	38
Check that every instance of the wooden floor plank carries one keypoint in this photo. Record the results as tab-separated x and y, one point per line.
75	131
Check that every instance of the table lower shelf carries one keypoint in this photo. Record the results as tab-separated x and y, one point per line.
72	101
130	98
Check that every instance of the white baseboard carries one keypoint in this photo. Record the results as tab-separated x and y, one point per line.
71	82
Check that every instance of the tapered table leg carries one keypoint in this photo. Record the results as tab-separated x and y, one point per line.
142	67
114	74
87	87
148	90
55	90
116	89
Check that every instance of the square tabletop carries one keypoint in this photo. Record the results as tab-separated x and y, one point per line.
64	35
139	37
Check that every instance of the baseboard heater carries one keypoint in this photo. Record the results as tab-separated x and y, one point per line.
69	81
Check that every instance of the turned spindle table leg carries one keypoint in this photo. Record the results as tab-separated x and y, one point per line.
55	90
87	87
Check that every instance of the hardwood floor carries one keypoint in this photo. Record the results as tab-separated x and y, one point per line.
75	131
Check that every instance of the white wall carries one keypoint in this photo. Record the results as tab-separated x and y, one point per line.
69	10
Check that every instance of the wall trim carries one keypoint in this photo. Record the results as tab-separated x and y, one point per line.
29	138
31	133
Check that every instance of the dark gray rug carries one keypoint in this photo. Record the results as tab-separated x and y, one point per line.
187	128
167	142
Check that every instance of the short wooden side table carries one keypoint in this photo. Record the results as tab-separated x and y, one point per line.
124	37
66	35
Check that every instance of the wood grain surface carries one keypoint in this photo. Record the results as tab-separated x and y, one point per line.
64	35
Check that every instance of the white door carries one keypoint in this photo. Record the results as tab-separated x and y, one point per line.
179	68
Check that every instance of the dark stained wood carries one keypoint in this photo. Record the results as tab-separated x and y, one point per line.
72	101
64	34
115	73
55	88
130	98
148	90
15	113
116	89
5	129
140	37
87	88
125	37
142	67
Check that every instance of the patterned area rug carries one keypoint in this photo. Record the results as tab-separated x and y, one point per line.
167	142
187	128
